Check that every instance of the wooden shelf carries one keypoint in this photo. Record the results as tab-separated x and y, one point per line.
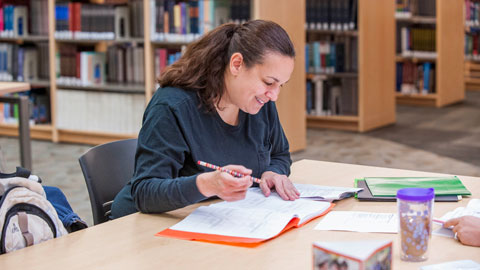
34	83
311	75
42	132
428	100
333	32
415	59
417	20
90	137
26	38
341	122
376	70
449	60
472	84
109	87
95	41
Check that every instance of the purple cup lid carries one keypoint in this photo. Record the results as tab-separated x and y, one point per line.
416	194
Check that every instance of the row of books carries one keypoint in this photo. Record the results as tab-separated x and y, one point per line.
416	41
84	66
165	57
99	111
331	14
472	13
40	108
125	64
332	96
409	8
75	20
24	63
184	21
413	78
13	21
331	56
472	42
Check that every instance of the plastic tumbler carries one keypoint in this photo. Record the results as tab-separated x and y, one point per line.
415	207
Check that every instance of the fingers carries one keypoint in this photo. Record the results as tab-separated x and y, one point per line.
235	184
451	222
238	168
265	188
283	186
287	190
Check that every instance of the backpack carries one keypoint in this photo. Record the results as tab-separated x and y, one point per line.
26	216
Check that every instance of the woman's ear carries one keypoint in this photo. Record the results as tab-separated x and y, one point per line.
236	63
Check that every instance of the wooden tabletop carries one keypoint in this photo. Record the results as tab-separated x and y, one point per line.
129	242
13	87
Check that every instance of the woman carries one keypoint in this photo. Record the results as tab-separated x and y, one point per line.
214	106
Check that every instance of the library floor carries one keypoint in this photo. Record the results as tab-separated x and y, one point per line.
445	140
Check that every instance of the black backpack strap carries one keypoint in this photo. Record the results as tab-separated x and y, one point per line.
21	172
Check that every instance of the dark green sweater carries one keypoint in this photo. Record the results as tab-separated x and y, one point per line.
176	133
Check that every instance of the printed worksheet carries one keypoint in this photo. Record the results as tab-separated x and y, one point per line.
256	216
355	221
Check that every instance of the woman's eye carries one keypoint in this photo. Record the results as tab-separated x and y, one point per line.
269	84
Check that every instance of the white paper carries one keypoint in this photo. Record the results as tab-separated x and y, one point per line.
326	193
459	265
256	216
472	209
359	222
440	231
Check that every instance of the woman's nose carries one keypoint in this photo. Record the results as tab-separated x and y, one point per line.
272	94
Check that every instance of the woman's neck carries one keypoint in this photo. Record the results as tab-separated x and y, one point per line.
228	111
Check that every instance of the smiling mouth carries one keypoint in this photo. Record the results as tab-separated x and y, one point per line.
260	101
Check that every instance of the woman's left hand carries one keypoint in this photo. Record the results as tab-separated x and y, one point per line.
282	185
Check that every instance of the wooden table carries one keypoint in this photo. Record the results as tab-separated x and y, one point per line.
129	242
23	115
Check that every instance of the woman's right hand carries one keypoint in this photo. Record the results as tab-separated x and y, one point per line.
224	185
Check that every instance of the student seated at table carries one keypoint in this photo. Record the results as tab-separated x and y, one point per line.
466	229
215	104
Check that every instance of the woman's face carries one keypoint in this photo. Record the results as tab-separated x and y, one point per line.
250	88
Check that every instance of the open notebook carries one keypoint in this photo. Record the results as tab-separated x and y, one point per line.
253	220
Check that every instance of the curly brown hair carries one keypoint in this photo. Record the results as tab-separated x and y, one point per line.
202	67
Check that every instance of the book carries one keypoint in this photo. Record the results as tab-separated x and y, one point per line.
372	254
443	185
472	209
366	195
325	193
246	222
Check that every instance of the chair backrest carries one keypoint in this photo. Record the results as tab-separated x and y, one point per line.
107	168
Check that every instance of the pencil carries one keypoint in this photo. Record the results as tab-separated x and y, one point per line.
234	173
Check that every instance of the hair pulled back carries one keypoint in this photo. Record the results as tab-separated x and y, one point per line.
202	67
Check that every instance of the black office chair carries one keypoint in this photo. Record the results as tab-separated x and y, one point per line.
107	168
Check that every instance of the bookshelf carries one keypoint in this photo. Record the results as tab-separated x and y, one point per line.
472	35
430	76
365	82
66	93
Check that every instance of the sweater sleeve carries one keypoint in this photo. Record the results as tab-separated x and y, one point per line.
280	160
156	185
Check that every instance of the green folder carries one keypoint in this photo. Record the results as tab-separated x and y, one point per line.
388	186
